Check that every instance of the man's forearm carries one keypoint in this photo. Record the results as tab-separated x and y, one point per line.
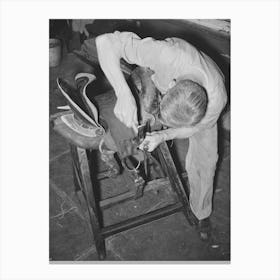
177	133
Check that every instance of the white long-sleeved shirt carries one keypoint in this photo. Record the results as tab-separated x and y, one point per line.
170	59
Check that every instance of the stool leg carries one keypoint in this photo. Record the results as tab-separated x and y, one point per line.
82	171
176	183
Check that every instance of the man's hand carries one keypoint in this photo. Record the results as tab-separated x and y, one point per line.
126	111
151	141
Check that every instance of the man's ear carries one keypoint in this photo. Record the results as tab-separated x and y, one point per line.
172	84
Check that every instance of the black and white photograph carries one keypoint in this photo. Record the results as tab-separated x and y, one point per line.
139	140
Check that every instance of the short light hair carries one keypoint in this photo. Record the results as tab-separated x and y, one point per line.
184	105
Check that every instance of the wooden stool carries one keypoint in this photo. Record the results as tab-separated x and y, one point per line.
83	171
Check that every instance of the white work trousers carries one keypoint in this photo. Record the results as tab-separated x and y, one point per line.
200	165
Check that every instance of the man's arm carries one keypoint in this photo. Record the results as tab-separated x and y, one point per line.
152	140
111	47
178	133
109	55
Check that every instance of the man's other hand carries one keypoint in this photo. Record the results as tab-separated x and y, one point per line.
151	141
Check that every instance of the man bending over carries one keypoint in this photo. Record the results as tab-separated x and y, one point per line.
193	93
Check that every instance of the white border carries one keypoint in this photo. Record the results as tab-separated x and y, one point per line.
255	138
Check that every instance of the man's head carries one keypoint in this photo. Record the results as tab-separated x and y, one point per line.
184	105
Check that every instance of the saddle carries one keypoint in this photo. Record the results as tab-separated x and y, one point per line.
91	124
